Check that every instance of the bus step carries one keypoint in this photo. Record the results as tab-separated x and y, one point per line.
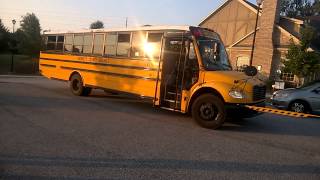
170	109
173	93
171	101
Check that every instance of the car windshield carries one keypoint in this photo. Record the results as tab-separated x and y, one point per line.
213	55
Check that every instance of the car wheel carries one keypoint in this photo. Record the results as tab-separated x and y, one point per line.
299	107
209	111
76	86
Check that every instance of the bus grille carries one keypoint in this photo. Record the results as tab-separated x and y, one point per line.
259	93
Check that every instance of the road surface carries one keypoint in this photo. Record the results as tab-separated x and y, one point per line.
47	133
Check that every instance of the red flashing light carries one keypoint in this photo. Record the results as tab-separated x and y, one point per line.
196	32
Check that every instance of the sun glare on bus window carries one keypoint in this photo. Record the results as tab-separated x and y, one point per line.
149	49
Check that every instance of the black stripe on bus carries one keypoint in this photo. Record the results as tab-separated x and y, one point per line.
103	64
109	73
48	65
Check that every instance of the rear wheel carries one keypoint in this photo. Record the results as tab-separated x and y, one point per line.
299	107
76	86
208	111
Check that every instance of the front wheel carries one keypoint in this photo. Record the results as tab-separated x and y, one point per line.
209	111
76	86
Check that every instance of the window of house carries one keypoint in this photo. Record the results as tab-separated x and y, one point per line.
153	46
242	62
68	44
111	44
87	43
78	43
123	46
289	77
51	42
98	44
138	42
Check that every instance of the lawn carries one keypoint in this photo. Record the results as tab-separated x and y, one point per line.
22	64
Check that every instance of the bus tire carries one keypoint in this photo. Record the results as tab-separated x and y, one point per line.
76	86
209	111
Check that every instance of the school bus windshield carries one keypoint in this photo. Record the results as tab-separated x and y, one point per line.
214	56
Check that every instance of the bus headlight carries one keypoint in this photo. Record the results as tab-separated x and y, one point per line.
237	94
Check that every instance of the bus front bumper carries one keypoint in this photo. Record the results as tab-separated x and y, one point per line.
241	111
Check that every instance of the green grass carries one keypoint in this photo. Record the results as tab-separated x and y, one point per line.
23	64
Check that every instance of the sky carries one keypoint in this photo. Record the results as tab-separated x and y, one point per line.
79	14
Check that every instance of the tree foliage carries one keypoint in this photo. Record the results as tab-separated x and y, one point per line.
316	7
299	8
4	37
97	25
299	59
28	35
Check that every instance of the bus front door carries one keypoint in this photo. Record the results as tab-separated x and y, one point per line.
172	74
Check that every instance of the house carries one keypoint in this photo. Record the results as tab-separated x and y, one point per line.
235	21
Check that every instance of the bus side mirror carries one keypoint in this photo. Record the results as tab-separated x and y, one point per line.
251	71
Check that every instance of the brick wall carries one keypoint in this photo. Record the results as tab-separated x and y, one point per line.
264	52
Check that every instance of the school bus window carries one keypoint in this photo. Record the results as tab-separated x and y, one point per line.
138	42
77	44
192	68
60	41
52	39
68	43
87	44
123	48
98	44
111	44
154	37
51	43
153	46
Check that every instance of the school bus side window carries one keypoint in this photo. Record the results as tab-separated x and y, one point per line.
98	44
87	44
123	48
68	43
78	43
60	41
153	46
138	42
111	44
51	42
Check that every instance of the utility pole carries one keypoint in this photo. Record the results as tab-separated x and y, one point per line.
12	48
259	2
126	22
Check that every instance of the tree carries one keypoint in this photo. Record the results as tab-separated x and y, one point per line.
300	60
316	7
4	37
97	25
297	8
28	35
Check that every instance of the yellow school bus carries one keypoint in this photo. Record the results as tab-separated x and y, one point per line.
179	68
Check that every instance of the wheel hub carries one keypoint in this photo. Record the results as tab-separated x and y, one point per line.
207	111
298	107
76	84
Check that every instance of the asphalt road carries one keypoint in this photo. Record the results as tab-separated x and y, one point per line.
47	133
